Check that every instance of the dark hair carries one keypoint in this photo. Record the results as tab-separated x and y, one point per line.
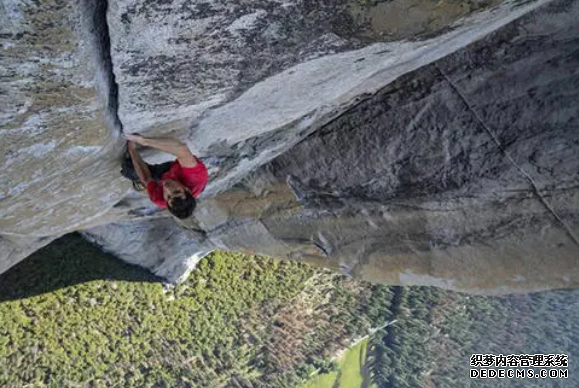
182	207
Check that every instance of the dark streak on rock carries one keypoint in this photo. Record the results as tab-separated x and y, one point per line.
96	12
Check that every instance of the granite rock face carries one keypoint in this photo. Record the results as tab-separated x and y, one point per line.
334	134
462	174
175	59
57	121
243	111
131	240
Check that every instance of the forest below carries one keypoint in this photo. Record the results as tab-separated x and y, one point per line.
73	316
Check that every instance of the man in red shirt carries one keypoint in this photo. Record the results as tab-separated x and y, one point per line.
172	185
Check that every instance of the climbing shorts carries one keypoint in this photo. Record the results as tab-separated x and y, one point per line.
128	171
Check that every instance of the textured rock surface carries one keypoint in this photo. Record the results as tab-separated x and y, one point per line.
55	124
174	253
248	126
173	60
461	173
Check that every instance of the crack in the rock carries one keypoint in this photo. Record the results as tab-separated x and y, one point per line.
534	185
95	14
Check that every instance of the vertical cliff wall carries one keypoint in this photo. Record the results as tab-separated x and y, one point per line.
383	147
57	122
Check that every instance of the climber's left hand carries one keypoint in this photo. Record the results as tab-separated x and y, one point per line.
135	137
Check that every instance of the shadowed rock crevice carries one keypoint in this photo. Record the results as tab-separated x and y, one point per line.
95	19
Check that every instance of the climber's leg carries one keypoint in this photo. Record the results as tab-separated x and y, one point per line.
127	169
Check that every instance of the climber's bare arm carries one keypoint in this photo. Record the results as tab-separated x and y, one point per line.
140	166
171	146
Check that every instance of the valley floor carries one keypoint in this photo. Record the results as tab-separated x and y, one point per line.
72	316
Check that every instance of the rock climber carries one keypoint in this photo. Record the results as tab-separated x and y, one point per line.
172	185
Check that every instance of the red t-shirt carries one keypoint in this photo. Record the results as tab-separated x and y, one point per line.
195	178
